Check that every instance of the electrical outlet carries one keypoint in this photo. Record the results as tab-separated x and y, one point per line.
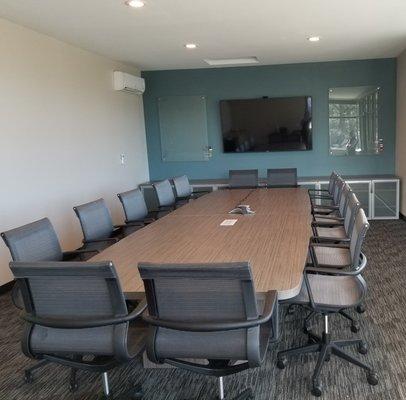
122	159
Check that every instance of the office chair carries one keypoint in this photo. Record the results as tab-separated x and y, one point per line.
329	290
324	193
97	225
320	212
135	209
282	178
207	312
77	310
243	178
338	229
166	198
184	191
334	211
37	241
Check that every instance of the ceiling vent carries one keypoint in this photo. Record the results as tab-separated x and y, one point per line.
231	61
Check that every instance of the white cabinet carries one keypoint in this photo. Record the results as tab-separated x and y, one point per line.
385	199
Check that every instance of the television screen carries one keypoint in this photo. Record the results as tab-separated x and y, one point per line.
266	124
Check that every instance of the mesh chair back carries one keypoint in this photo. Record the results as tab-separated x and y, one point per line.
95	219
342	206
352	208
164	193
70	291
338	189
332	181
182	186
285	177
135	208
36	241
243	178
360	229
201	293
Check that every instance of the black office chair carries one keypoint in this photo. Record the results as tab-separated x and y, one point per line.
184	191
135	209
207	312
97	225
327	290
282	178
37	241
243	178
75	310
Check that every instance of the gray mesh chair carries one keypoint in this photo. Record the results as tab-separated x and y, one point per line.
184	191
243	178
207	312
339	230
75	310
282	178
37	241
165	196
331	292
324	193
97	225
336	207
135	209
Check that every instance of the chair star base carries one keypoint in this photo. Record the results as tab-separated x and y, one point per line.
327	347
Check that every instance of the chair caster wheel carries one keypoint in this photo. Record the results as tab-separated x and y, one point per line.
328	357
306	329
73	387
372	378
317	389
137	393
360	309
362	348
290	310
28	377
311	340
281	362
355	327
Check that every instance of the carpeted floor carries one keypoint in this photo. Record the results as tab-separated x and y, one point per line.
383	326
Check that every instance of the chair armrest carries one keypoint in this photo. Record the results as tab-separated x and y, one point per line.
334	245
201	191
184	198
60	323
270	301
166	208
78	252
336	271
149	220
331	239
327	224
317	190
133	223
115	240
326	207
330	217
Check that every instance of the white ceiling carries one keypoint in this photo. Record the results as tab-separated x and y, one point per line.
274	31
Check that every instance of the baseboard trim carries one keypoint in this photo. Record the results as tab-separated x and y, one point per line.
6	287
401	216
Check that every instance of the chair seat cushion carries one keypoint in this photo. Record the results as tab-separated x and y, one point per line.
336	232
332	292
332	256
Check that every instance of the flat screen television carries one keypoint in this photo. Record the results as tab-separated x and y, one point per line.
266	124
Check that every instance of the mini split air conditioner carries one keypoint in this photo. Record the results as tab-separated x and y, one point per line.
128	83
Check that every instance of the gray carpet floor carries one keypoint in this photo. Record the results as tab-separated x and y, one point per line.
383	327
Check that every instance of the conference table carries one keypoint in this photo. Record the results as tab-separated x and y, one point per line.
274	240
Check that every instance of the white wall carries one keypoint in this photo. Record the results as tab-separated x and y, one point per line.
401	128
62	130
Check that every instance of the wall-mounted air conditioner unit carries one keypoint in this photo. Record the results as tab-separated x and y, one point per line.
128	83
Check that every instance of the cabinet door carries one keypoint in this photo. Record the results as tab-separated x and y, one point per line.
385	195
362	191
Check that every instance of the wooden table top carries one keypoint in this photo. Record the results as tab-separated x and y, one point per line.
274	240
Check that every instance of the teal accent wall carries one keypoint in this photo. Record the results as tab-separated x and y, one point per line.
312	79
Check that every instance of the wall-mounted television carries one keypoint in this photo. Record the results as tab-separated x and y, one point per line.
266	124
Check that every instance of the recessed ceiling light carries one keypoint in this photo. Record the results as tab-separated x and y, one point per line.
135	3
313	38
190	45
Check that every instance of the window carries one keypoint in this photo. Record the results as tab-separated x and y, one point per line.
353	120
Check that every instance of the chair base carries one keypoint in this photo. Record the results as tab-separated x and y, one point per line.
327	347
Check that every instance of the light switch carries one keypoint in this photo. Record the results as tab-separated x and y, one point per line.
122	159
